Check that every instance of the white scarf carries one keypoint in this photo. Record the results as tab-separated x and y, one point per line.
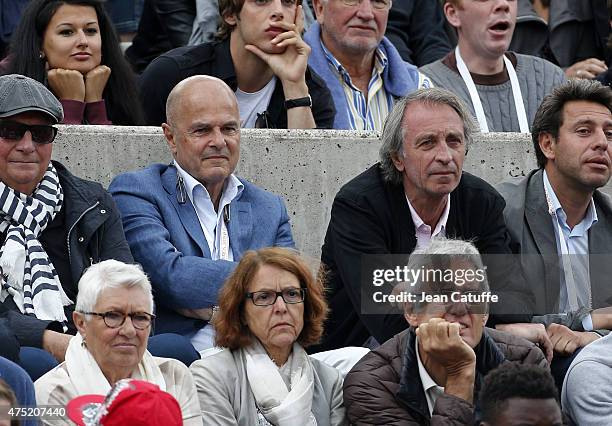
279	405
87	377
27	274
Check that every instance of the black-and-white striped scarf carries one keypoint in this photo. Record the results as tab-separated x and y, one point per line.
27	272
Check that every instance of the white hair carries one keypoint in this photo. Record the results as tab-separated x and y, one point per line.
110	274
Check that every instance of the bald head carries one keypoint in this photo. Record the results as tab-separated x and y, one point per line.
198	88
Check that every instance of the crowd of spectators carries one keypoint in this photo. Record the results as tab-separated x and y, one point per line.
177	297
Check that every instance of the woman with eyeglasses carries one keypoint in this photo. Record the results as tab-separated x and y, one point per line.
114	318
71	47
270	309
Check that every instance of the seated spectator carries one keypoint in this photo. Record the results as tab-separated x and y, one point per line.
164	25
431	372
130	402
363	71
571	34
114	318
207	19
189	223
417	30
71	46
20	385
417	191
502	90
561	223
586	397
271	308
261	56
54	227
519	394
64	208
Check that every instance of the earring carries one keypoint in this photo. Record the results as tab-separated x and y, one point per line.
84	343
41	55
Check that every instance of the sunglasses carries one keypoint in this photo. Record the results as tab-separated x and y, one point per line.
13	131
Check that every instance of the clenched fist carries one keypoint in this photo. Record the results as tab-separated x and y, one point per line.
444	353
66	84
95	82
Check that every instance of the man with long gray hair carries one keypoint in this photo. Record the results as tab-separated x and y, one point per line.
416	192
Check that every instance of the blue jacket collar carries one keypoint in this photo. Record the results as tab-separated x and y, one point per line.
399	77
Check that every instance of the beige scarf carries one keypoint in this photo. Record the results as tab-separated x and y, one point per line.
279	405
87	377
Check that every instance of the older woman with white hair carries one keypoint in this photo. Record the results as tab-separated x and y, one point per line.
114	318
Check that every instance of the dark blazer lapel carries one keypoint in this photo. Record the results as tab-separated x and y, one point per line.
402	217
541	229
240	227
185	211
600	252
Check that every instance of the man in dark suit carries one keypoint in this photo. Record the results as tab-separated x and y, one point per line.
416	192
189	223
557	210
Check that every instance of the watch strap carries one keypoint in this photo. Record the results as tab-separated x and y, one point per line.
306	101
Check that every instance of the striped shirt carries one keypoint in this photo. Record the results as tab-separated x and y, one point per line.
370	113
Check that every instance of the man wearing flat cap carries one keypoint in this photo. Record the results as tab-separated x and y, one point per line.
53	225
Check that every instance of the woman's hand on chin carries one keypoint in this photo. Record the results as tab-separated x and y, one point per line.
95	82
66	84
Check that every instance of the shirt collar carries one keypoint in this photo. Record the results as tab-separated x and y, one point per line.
590	218
428	383
232	187
440	226
380	63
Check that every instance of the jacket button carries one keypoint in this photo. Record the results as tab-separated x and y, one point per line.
81	239
102	211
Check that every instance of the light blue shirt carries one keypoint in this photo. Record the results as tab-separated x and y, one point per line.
577	241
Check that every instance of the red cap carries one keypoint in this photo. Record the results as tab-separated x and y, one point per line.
130	402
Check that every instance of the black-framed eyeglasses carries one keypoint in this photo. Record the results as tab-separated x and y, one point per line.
115	319
290	296
376	4
13	131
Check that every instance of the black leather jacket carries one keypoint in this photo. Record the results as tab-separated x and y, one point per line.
94	233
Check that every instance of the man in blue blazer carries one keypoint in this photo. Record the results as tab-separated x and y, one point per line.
189	222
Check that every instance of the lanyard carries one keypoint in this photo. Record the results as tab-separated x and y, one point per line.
516	94
224	242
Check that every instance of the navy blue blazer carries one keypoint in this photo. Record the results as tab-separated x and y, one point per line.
166	238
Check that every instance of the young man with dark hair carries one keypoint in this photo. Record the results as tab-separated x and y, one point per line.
261	56
519	394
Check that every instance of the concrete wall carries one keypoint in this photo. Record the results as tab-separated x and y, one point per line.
306	167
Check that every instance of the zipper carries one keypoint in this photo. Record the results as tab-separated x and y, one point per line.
74	224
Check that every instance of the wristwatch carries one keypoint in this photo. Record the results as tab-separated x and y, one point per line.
299	102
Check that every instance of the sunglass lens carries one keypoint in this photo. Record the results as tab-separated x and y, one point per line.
11	131
42	134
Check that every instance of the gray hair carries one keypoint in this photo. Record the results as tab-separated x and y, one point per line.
442	254
394	132
110	274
